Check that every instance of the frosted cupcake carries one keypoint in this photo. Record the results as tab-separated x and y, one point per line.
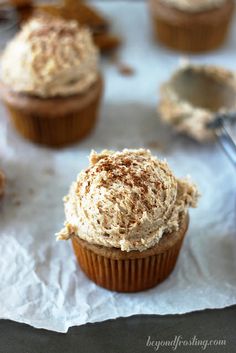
127	215
51	83
191	25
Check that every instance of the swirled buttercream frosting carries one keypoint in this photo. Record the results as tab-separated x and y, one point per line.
50	57
126	200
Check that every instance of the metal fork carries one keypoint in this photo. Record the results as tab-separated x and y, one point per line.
221	127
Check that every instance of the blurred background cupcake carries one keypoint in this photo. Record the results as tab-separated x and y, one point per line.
50	81
191	25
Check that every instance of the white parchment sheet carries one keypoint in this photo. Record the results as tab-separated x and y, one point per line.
40	281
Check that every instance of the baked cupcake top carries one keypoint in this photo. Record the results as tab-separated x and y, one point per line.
193	96
2	183
126	200
50	57
194	5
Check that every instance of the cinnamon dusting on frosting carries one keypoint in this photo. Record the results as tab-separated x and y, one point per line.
127	200
50	57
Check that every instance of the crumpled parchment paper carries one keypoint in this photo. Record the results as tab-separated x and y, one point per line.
40	281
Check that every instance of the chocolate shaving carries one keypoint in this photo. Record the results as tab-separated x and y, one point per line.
125	70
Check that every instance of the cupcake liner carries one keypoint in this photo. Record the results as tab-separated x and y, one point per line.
130	271
198	39
191	36
55	122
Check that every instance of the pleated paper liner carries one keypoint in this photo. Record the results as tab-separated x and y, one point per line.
192	34
132	271
54	122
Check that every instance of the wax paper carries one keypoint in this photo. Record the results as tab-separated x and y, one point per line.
41	283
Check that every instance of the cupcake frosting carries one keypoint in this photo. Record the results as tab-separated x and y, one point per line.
194	5
187	116
50	57
126	200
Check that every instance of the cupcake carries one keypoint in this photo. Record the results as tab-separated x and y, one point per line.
191	25
50	82
127	215
193	96
2	184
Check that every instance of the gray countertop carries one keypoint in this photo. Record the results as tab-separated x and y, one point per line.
129	335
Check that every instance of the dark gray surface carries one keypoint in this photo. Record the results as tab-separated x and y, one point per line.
125	335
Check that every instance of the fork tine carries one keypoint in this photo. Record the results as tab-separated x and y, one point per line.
227	143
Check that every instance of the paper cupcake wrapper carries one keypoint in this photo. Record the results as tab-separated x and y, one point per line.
126	274
56	130
190	37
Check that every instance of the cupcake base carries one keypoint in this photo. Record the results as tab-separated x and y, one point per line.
132	271
191	32
54	122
